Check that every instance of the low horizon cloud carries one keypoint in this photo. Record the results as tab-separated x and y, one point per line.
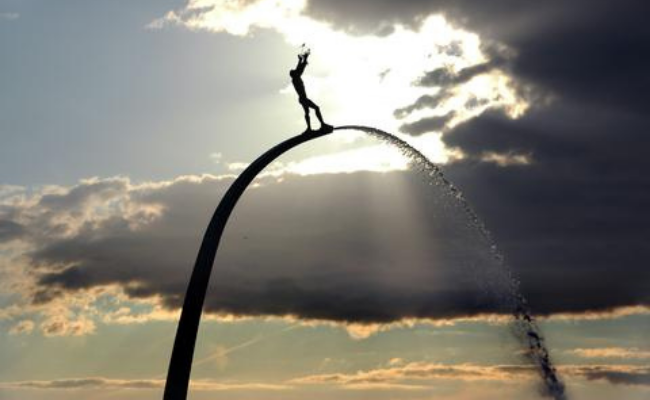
360	249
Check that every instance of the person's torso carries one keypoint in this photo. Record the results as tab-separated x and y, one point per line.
299	85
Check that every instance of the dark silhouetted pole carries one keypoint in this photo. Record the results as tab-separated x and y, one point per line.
180	365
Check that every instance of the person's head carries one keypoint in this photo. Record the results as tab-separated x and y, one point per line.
293	73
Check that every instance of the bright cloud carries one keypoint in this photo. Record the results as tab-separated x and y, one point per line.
366	79
612	352
409	376
22	327
506	159
413	375
108	383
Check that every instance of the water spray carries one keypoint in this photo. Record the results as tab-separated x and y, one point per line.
505	288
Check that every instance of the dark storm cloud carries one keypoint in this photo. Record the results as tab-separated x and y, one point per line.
583	50
592	58
577	217
292	248
618	376
350	247
78	197
365	247
364	16
10	230
446	80
425	101
443	77
426	125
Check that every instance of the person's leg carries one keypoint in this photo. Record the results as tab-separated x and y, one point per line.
306	109
319	115
317	111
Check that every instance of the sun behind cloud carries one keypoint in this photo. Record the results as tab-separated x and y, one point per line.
375	79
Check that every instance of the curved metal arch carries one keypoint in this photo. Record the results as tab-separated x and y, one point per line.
180	364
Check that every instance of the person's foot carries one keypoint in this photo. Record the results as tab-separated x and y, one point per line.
326	128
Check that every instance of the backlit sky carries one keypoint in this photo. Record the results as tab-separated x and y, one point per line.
342	274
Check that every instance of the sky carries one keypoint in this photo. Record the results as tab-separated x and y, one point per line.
342	273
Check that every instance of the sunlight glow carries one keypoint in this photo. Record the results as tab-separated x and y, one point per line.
373	158
365	79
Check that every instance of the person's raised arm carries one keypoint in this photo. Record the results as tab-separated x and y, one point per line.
302	63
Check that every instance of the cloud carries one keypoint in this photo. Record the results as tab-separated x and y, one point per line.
614	374
447	77
136	384
10	230
559	180
614	313
236	18
578	52
560	186
576	211
414	375
153	259
364	249
22	327
611	352
61	326
395	361
506	159
419	371
216	157
9	16
410	376
425	125
424	101
392	58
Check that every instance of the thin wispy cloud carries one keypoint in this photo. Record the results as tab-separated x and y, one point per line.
137	384
414	376
417	373
9	16
632	353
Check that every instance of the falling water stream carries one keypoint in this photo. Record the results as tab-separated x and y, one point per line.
500	283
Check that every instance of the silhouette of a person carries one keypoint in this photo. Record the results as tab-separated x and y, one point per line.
299	85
